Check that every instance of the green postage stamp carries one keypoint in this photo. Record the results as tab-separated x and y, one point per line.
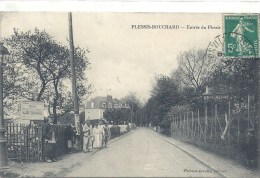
241	35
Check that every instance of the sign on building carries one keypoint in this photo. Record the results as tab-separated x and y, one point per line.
31	110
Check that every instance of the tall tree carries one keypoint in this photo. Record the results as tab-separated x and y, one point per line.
48	59
135	104
195	68
33	49
151	112
166	94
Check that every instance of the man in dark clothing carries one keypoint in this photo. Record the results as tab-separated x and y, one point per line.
107	134
70	137
49	138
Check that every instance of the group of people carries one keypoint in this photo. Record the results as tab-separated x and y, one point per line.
95	137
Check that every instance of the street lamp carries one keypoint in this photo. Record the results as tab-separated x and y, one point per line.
3	150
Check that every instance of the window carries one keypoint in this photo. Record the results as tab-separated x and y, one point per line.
104	105
109	105
92	104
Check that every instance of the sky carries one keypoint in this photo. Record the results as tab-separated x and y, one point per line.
123	59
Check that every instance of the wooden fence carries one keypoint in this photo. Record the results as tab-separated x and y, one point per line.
25	142
222	130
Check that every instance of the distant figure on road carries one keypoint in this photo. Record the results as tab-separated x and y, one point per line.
107	134
98	131
86	136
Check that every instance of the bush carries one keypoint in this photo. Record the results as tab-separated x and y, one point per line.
115	131
165	127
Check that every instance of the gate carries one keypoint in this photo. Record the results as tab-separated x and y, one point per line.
24	142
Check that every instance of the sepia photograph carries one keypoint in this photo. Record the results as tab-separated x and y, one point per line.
129	94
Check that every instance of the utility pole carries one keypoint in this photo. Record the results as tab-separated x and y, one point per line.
73	78
132	112
3	149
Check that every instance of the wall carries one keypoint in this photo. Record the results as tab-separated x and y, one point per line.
94	114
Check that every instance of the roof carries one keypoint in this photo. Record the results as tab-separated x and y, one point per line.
103	102
99	101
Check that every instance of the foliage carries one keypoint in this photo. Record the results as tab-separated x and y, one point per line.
166	94
115	131
46	70
117	115
229	79
194	67
68	118
165	125
132	100
151	111
225	78
32	50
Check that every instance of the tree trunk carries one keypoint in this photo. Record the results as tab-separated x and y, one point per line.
41	91
54	111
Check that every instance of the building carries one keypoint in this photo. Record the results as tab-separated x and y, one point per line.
95	107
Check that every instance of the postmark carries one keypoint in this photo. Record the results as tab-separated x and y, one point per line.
241	37
216	50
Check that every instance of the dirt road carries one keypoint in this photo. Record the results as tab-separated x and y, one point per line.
141	153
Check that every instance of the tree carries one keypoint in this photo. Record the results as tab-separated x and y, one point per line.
117	115
11	84
151	112
165	94
194	68
237	78
32	49
59	69
132	100
40	54
225	78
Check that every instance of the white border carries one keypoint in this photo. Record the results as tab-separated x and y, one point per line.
138	6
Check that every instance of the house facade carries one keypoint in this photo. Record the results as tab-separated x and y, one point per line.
95	107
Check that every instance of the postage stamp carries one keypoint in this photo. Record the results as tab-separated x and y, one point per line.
241	37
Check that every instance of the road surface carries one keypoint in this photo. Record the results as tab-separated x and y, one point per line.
141	153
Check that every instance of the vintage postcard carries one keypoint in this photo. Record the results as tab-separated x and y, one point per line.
129	94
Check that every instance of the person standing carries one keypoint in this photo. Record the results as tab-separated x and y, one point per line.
69	135
49	137
107	134
86	136
101	133
96	134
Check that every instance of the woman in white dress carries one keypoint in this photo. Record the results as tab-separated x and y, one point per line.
98	134
101	133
